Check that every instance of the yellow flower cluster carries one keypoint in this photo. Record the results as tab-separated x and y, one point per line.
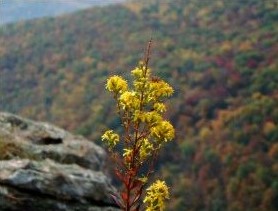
159	89
129	100
127	152
150	117
155	196
164	131
159	107
116	84
138	72
145	149
141	76
111	138
128	156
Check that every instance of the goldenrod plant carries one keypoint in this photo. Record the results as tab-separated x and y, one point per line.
140	107
155	196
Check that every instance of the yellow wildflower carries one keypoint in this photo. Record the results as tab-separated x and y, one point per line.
111	138
155	196
116	84
160	89
128	156
145	131
164	131
159	107
129	100
152	118
127	152
139	71
145	149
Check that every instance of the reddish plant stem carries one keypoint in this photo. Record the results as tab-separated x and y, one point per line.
133	169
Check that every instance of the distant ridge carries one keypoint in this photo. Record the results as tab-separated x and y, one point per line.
12	11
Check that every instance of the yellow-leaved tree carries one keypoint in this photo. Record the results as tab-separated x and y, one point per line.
140	107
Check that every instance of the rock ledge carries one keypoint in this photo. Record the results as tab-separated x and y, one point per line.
43	167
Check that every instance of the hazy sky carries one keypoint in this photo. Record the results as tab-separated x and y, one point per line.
17	10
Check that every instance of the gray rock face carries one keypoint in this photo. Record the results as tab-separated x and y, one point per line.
43	167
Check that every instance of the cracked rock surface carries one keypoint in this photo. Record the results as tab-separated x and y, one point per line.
43	167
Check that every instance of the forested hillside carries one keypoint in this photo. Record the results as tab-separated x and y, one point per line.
221	58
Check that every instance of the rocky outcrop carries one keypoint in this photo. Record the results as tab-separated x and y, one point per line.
43	167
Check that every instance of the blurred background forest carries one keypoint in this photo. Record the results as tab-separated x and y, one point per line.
221	58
